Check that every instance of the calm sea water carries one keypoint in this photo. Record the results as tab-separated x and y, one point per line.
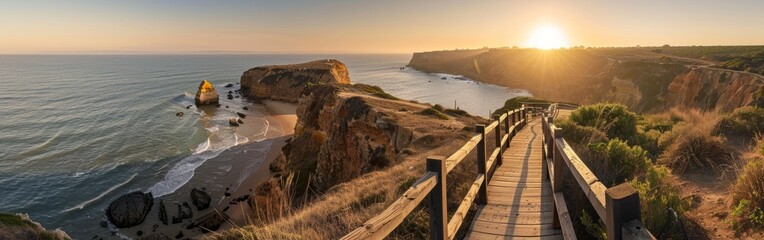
79	131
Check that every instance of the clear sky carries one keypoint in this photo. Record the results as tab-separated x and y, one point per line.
35	26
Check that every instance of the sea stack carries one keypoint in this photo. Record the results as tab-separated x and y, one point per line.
206	94
287	82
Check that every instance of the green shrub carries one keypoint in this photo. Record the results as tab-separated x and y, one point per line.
613	119
438	107
375	91
456	112
580	134
434	112
517	102
594	226
656	195
748	192
625	162
745	121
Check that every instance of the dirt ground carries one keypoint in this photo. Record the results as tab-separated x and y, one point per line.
708	217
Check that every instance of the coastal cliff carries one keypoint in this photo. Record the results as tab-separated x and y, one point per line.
286	82
356	144
19	226
585	76
340	135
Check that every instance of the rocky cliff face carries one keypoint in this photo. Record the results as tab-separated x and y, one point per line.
287	82
707	88
583	77
340	136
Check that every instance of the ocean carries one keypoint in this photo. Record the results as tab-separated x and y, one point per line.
78	131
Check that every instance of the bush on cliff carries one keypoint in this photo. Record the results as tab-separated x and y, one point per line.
696	150
517	102
19	226
613	119
617	162
375	91
744	121
434	112
748	192
580	134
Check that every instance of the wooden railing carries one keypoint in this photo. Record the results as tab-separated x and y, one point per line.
433	183
617	206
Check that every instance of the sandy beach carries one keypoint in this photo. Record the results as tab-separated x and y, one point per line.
282	114
235	173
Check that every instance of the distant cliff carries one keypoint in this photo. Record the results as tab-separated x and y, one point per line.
584	77
286	82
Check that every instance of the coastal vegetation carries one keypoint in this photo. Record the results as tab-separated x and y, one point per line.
19	226
653	151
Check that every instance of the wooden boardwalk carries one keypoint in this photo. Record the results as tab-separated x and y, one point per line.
520	204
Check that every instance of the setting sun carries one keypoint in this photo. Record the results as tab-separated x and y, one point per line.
548	37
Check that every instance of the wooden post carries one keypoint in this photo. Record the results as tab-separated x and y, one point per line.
438	210
549	139
544	136
506	130
621	207
558	164
497	132
482	196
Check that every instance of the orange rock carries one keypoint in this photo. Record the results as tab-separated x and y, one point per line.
206	94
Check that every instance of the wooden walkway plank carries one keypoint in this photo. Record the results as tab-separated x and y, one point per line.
520	200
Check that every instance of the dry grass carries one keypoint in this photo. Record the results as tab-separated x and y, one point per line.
691	144
337	212
748	191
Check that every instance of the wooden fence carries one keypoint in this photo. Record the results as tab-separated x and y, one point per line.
618	206
433	183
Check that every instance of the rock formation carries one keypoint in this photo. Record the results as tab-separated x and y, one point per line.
200	199
129	209
162	212
713	89
287	82
233	122
206	94
342	135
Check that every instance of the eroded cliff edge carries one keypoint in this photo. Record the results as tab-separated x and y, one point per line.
287	82
583	76
346	133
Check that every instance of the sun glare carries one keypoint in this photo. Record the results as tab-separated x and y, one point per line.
548	37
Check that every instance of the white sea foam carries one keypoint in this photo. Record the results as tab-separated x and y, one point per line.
85	203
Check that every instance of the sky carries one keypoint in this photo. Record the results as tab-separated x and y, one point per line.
391	26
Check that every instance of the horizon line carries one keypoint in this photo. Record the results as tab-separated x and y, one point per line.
238	52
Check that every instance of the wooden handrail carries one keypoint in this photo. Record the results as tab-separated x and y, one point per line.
434	183
618	206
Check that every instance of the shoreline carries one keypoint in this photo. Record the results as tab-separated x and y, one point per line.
226	177
283	114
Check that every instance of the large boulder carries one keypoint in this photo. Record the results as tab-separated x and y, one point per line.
206	94
129	209
287	82
200	199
